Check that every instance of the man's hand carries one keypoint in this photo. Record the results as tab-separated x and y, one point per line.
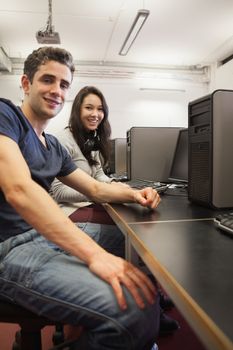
148	197
118	272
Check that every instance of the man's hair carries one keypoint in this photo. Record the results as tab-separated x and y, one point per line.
45	54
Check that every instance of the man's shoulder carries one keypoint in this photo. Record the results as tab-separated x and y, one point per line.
55	143
7	104
52	139
9	108
5	100
12	114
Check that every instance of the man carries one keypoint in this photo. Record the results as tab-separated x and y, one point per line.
48	264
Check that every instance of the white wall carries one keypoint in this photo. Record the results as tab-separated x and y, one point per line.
129	106
222	77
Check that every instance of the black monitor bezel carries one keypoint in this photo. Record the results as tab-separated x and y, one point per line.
172	178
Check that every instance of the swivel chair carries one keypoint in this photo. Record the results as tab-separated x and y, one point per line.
29	336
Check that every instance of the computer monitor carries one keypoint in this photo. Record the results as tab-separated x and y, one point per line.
117	161
179	168
150	152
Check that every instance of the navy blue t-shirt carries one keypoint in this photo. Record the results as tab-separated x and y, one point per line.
44	163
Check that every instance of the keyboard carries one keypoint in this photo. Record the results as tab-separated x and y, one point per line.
160	187
224	221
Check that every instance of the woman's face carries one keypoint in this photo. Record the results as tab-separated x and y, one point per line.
91	112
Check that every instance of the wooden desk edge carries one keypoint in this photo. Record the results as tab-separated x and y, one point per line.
206	329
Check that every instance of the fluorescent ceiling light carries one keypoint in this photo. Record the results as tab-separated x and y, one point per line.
134	30
163	89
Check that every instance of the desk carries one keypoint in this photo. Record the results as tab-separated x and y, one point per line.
190	258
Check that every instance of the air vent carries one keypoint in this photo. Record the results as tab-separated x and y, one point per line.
5	62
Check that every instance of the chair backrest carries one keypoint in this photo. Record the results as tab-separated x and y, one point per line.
29	336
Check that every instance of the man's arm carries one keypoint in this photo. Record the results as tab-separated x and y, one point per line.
110	192
34	204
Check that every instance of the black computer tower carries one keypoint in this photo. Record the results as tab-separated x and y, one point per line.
210	170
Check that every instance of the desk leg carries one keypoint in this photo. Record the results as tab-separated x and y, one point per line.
133	257
127	248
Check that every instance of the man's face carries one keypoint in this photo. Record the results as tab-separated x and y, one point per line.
47	92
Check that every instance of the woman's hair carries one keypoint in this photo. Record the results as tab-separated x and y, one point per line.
45	54
101	138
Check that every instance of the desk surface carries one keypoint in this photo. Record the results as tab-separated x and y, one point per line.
172	207
190	258
199	258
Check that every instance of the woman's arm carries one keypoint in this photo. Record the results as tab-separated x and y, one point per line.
98	171
65	194
59	191
110	192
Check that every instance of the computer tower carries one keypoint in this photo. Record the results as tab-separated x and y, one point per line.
117	161
210	170
150	152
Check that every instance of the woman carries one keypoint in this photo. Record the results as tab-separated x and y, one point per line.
86	139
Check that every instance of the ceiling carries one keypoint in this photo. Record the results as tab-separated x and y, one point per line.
177	33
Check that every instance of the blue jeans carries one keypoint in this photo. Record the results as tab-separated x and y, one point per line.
41	277
107	236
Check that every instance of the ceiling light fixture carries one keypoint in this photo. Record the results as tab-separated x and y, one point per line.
134	31
163	89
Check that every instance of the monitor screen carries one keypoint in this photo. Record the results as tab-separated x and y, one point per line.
179	168
150	152
117	161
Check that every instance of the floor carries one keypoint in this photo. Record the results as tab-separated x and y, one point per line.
7	334
181	340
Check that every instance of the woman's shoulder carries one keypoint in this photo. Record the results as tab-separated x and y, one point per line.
64	133
65	137
67	140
